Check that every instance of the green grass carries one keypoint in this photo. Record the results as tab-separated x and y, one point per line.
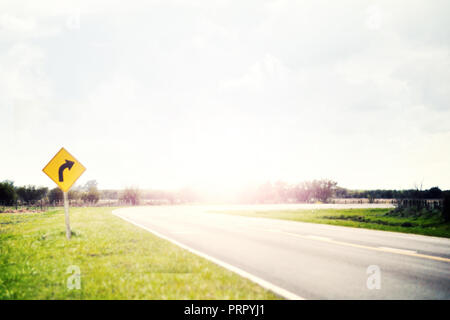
379	219
117	260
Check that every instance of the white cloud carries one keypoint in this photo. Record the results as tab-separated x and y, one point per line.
24	90
12	24
268	68
15	28
374	20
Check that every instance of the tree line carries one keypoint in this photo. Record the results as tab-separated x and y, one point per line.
432	193
11	195
323	190
282	192
133	195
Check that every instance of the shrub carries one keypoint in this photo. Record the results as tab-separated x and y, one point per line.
8	195
131	195
92	196
446	207
55	195
31	193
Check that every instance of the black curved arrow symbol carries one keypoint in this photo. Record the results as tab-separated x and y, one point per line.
67	165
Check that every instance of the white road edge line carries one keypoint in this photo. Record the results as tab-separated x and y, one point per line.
263	283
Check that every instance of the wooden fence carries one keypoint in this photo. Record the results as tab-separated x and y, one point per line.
420	203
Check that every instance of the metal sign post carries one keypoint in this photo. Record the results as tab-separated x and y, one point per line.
66	213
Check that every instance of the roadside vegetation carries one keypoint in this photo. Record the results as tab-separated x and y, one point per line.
314	191
408	220
116	260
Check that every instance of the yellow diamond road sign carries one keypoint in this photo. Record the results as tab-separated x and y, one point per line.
64	169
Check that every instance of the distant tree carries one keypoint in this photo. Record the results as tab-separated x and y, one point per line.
55	195
387	194
8	195
91	196
23	193
303	191
31	193
109	194
131	196
446	206
91	193
341	192
74	194
90	185
324	189
41	193
434	193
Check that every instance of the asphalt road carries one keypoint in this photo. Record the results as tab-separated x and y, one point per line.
304	260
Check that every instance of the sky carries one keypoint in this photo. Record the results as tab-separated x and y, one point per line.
220	94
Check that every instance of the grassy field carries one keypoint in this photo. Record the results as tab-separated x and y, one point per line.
116	260
380	219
